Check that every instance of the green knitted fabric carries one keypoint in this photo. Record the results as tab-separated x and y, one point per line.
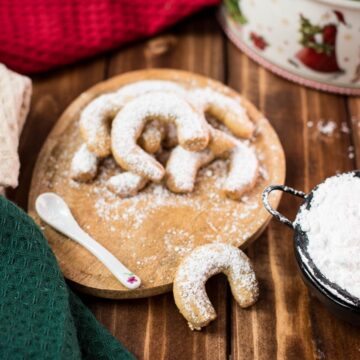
40	318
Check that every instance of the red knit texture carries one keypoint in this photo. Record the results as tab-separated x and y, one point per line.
38	35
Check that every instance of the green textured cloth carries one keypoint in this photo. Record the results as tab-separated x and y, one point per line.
40	318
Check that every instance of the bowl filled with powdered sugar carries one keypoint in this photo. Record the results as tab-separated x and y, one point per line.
327	241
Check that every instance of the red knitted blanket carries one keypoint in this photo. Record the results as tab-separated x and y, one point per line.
38	35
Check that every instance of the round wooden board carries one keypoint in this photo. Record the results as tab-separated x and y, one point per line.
151	232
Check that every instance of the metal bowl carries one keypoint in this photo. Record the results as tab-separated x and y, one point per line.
336	299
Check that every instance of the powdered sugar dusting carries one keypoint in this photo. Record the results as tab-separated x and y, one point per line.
243	171
126	184
206	96
84	164
183	165
207	99
94	120
326	127
182	168
332	226
155	196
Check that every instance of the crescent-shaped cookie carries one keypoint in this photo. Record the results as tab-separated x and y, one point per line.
192	131
84	167
126	184
152	137
84	164
224	108
183	165
95	120
244	170
197	267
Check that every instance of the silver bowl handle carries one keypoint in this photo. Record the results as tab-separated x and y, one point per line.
275	213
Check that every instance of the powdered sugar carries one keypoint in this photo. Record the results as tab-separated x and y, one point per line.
332	225
138	88
112	208
178	241
326	127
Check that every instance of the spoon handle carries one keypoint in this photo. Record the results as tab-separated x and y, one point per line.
121	272
54	211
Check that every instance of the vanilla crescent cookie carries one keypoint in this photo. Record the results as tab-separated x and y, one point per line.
192	130
224	108
84	164
126	184
95	120
244	170
152	137
197	267
183	165
84	167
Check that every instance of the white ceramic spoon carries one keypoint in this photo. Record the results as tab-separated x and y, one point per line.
54	211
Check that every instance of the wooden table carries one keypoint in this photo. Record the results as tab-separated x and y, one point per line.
287	322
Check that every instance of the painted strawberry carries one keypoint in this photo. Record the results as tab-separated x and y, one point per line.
319	46
258	41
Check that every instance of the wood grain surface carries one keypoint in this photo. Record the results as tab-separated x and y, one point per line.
287	322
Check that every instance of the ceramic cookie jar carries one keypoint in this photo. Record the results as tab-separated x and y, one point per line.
312	42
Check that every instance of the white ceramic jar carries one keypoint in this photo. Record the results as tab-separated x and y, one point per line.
313	42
